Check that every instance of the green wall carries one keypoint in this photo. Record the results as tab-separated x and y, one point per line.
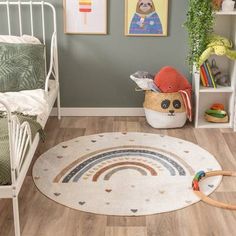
94	70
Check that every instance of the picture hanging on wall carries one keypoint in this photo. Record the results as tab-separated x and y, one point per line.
146	17
85	16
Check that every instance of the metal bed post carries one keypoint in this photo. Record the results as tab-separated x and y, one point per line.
19	134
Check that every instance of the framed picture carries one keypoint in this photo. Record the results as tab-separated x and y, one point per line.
85	16
146	17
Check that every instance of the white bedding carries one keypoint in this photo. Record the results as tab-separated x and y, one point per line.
19	39
32	102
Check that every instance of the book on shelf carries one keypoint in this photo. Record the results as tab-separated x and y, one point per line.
207	75
207	79
210	73
204	77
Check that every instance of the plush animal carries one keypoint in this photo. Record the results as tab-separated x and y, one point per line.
220	46
145	19
164	110
169	80
220	78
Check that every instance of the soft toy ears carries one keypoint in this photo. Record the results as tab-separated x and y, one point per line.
186	95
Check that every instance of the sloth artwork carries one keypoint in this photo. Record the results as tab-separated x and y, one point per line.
145	19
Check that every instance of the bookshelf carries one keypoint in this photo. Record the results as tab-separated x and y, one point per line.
225	25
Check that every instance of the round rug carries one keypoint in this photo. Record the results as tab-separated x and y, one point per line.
124	174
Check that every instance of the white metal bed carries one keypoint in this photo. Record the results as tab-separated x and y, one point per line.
20	135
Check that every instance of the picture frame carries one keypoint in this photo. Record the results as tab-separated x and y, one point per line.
147	18
85	17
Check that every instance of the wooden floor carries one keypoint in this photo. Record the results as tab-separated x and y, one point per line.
43	217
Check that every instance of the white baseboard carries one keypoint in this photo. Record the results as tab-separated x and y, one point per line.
99	111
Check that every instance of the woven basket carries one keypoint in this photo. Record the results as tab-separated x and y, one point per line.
164	110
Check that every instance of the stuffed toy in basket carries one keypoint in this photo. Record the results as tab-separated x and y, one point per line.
172	107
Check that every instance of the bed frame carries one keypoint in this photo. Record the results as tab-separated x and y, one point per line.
20	134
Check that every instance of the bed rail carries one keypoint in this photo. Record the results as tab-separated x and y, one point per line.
20	139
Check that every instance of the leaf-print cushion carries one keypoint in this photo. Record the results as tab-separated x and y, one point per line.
22	67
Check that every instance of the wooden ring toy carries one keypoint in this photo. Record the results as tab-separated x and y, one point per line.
202	175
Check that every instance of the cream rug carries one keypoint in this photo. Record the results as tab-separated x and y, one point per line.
124	174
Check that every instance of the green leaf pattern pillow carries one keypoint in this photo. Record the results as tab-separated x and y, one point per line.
22	67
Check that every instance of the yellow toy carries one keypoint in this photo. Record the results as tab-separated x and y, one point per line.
220	46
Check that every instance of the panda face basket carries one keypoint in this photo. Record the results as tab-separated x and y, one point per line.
164	110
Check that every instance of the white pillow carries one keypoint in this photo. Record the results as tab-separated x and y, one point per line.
19	39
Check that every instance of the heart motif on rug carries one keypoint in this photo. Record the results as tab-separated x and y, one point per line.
210	185
93	141
188	202
134	210
64	146
81	203
108	190
57	194
59	157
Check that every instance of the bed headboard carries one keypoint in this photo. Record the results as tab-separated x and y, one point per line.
13	10
10	7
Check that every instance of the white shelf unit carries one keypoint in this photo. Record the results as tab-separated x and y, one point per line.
226	13
225	25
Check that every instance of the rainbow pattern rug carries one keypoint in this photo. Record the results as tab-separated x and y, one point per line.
124	174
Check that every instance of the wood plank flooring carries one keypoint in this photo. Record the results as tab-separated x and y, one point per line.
43	217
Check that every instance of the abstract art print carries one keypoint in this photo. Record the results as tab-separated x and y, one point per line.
85	16
146	17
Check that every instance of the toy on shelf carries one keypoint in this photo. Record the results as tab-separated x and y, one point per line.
216	114
202	175
219	77
228	5
220	46
216	4
85	6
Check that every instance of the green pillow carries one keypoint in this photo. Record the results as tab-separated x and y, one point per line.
22	67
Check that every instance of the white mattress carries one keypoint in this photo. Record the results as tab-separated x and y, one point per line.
32	102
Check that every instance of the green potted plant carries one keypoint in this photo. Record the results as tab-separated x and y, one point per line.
199	24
